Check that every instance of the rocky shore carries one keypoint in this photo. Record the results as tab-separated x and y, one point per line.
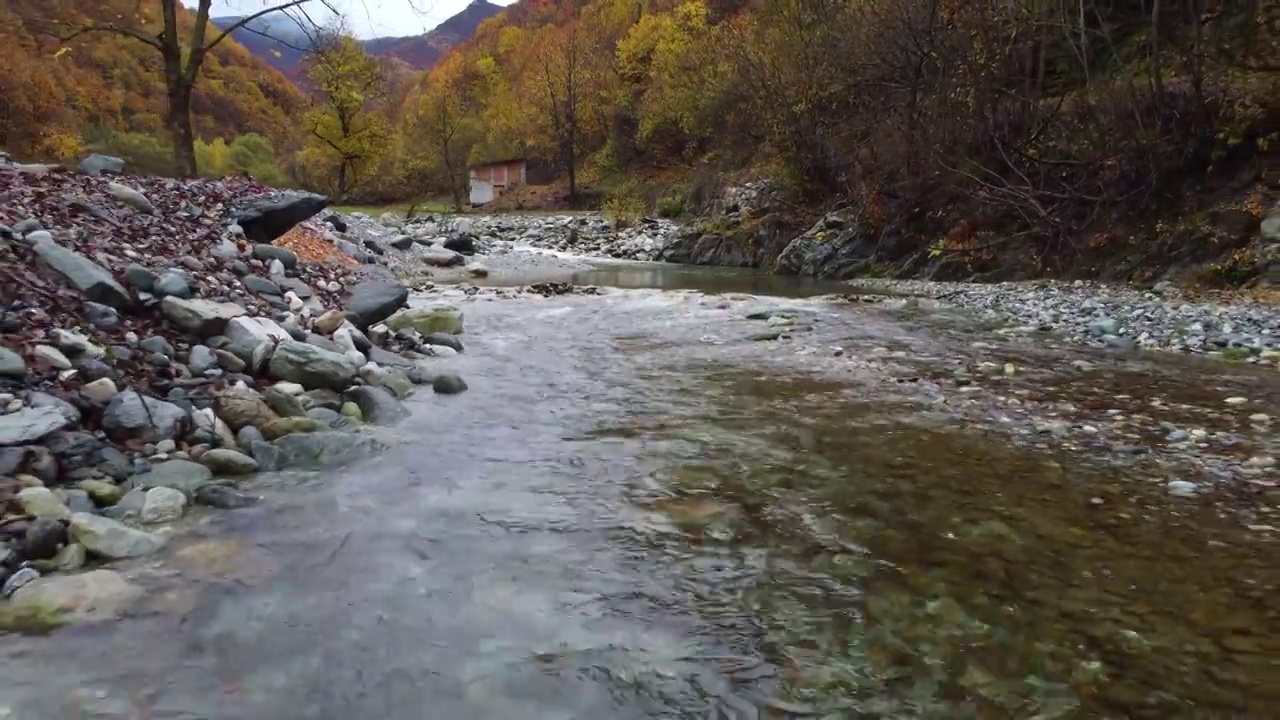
159	343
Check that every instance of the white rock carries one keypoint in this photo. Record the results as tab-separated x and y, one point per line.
100	390
41	502
163	504
1182	488
254	330
51	356
295	302
1237	400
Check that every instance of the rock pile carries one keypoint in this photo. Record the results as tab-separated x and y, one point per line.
155	346
439	241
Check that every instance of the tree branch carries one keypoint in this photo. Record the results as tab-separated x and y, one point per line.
250	18
111	28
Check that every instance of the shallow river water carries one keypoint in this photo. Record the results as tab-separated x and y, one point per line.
638	511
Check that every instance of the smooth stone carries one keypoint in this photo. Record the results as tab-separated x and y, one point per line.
89	278
240	408
41	502
224	497
94	596
184	476
111	539
131	197
204	318
289	425
311	366
131	416
51	356
448	384
100	391
223	461
30	424
284	404
11	364
373	301
101	492
439	318
327	449
377	405
43	538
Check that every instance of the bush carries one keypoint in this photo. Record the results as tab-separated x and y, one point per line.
671	206
624	208
143	154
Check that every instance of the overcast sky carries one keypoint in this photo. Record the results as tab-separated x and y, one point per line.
368	18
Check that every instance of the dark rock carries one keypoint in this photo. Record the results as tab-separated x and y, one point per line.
260	285
11	364
337	223
268	456
140	278
268	253
160	361
403	242
463	244
74	448
114	464
224	497
321	341
240	267
93	369
325	449
374	301
441	257
445	339
86	276
387	358
204	318
448	384
44	537
201	359
377	405
45	400
101	316
374	246
265	221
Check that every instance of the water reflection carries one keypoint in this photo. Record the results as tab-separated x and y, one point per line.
668	276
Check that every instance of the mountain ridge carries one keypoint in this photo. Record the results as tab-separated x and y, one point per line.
276	40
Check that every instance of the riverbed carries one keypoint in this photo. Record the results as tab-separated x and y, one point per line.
716	496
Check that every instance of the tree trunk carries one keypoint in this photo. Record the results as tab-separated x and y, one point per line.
180	131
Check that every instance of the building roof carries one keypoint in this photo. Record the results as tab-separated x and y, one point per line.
498	162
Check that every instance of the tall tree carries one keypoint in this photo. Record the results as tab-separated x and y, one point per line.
183	58
442	124
348	130
560	77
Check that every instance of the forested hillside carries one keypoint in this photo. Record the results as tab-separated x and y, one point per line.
1040	121
106	91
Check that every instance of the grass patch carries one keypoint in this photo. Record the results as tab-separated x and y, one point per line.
1236	353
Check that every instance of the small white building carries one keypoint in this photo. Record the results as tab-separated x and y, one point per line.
490	180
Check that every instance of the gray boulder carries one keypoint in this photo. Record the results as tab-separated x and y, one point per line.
374	301
163	504
260	285
201	359
377	405
311	367
441	257
181	475
443	340
83	274
140	277
131	416
11	364
324	449
283	403
448	384
97	164
30	424
44	537
335	420
110	539
243	408
204	318
172	283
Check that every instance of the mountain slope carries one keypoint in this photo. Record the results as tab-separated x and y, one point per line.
53	95
278	41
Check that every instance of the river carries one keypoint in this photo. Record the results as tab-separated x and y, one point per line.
639	511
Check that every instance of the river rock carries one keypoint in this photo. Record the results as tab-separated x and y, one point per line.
11	364
240	408
110	539
131	416
94	596
24	577
324	449
163	504
311	367
228	462
86	276
373	301
283	403
204	318
201	359
448	384
44	536
103	493
322	398
264	221
30	424
224	497
438	318
131	197
173	284
329	321
182	475
377	405
441	257
41	502
290	425
50	356
260	285
253	330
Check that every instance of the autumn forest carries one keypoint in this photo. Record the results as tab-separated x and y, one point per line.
1042	112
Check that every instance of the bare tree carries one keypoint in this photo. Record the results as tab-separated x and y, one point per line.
183	58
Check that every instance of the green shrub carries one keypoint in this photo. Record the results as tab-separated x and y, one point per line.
670	206
624	208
